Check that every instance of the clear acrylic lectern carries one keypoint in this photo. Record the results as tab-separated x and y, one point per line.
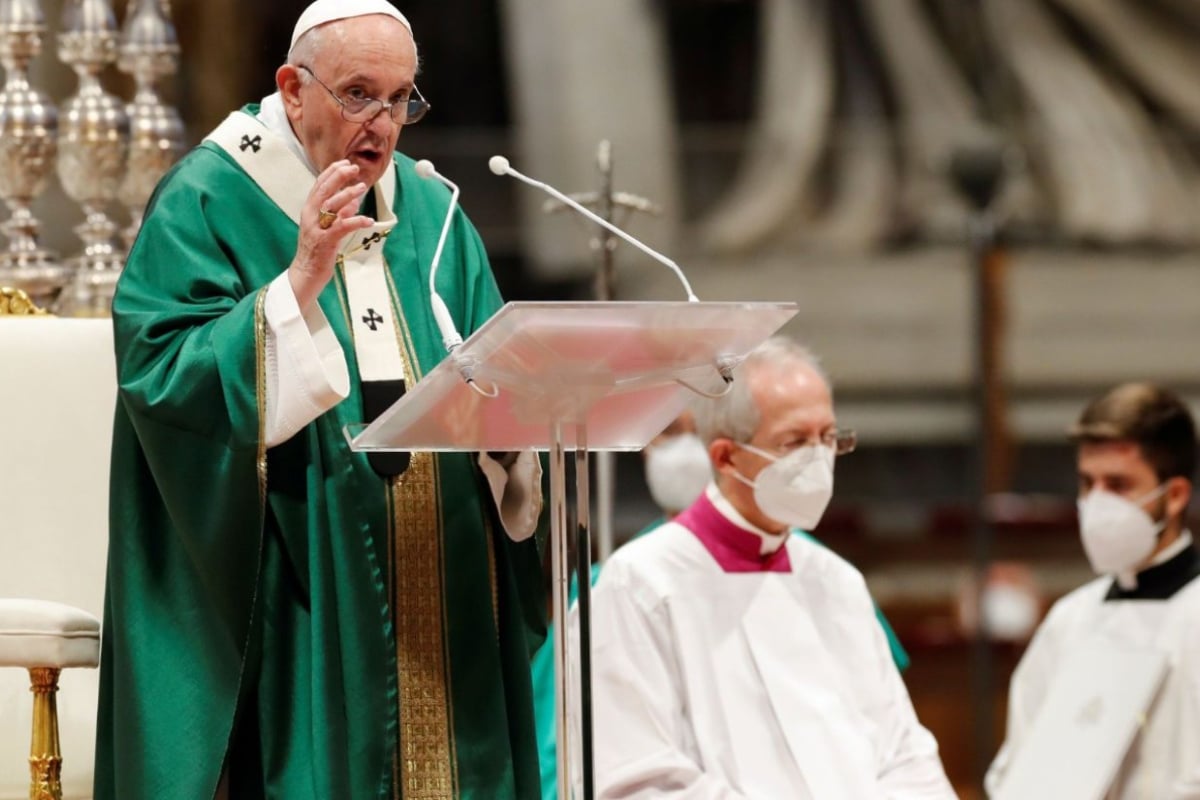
573	376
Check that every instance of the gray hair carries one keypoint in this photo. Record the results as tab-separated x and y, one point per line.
312	41
735	415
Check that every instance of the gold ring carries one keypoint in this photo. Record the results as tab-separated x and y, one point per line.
326	219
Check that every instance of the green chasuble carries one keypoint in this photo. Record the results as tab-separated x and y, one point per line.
288	616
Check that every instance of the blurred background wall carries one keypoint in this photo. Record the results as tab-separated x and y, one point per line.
805	150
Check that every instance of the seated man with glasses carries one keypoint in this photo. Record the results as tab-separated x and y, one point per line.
732	659
286	618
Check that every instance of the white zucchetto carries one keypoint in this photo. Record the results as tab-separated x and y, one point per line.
322	11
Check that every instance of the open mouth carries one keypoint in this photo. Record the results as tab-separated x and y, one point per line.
369	155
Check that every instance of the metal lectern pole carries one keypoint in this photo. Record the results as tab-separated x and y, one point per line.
560	576
583	578
561	579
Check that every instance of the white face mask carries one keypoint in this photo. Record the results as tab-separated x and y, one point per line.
677	470
1117	534
796	488
1010	612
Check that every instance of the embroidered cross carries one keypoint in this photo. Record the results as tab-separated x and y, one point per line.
372	319
256	143
370	240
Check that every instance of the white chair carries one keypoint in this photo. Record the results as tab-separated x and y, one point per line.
57	395
45	638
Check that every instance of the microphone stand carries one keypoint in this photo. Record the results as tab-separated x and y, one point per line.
604	203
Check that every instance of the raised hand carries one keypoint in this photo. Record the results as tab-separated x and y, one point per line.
328	216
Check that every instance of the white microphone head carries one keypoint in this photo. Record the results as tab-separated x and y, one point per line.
424	168
498	165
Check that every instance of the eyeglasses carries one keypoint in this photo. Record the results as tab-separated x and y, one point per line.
841	440
358	107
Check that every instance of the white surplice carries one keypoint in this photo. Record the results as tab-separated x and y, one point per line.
1164	761
709	683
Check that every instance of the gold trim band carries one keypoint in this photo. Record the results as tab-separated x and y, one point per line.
428	761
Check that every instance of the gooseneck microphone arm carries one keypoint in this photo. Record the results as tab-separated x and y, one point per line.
451	338
441	314
499	165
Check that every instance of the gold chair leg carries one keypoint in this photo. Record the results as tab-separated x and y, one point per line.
45	757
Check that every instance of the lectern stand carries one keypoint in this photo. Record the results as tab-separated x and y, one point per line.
573	376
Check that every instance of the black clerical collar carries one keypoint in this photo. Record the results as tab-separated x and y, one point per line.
1161	581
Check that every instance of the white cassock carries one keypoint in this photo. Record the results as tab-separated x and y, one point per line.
732	663
1162	612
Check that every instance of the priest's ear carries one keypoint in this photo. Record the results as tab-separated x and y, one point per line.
289	80
1178	495
720	453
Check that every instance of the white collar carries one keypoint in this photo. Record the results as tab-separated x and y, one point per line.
273	115
274	118
770	541
1127	579
1175	548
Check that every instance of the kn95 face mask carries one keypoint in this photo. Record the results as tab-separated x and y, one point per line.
795	488
1117	533
677	470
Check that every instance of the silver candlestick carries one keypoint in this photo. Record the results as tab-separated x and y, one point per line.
28	141
93	143
149	51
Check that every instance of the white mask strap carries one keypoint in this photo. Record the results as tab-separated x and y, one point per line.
758	451
1153	494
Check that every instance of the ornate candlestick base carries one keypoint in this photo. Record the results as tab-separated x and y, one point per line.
38	275
93	145
28	145
149	51
96	269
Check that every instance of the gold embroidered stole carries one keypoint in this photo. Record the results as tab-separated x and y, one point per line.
426	763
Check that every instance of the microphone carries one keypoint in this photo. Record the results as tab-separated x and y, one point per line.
441	314
499	165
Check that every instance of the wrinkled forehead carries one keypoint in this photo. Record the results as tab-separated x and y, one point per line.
375	47
373	36
792	397
797	419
